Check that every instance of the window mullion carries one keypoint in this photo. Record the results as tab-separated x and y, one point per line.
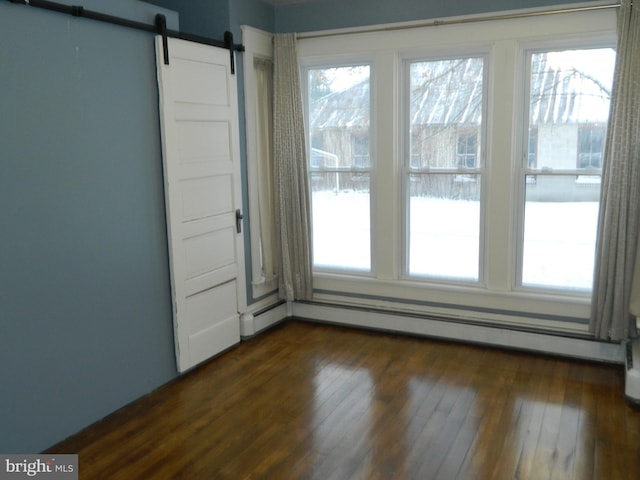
386	178
501	178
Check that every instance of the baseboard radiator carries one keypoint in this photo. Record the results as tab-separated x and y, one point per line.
255	322
581	348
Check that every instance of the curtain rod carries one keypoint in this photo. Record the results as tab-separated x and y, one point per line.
457	21
160	26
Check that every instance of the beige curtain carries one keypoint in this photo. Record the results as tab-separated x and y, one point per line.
269	249
290	171
620	201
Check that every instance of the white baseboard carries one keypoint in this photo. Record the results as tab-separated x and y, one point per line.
463	332
255	322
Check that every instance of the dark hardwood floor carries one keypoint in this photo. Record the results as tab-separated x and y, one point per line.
308	401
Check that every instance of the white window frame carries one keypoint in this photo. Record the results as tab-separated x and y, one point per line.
496	300
566	42
482	51
321	62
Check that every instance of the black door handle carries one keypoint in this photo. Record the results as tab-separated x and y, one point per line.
239	218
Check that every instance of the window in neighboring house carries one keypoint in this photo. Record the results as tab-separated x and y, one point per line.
339	126
467	148
590	146
318	154
532	150
360	150
416	147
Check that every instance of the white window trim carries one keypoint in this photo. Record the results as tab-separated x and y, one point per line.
498	292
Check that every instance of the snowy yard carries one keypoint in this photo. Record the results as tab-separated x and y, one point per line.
558	249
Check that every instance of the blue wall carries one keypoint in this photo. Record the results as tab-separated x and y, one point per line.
255	13
85	311
207	18
328	14
211	18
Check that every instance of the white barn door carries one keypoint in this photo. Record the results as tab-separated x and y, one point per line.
199	122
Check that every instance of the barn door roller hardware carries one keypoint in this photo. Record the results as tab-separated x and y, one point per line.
160	26
161	23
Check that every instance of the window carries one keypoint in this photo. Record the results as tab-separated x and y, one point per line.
479	195
445	114
532	150
590	146
318	154
339	124
568	107
467	149
360	149
416	150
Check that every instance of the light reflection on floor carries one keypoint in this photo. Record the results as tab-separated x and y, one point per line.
363	428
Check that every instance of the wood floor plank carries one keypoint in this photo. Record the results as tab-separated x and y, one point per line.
496	407
564	452
310	401
584	465
513	440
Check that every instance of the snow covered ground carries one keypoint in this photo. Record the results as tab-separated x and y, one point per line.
444	241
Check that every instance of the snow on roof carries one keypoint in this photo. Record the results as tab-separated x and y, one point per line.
344	109
450	92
